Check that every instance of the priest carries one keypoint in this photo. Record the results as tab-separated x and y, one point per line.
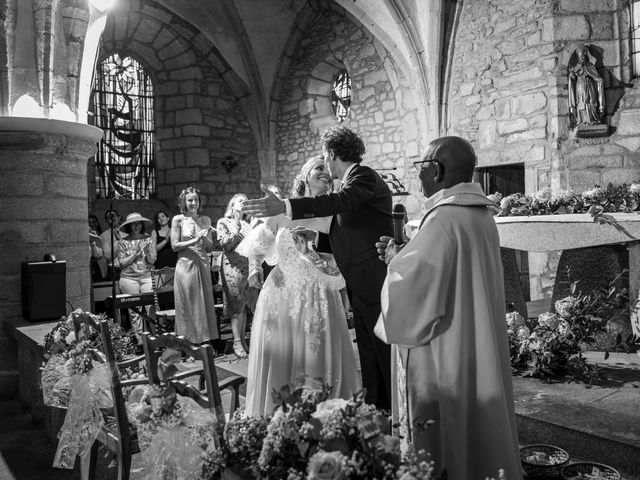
443	308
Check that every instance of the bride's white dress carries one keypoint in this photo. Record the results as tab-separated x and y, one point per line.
299	332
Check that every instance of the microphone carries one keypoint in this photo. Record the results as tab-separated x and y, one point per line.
399	214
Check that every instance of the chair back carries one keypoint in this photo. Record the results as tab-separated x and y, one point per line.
82	322
158	349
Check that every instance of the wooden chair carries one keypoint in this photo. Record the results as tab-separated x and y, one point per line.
209	386
117	435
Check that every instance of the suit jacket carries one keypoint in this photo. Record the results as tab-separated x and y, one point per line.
361	213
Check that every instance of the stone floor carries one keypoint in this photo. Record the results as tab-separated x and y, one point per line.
598	423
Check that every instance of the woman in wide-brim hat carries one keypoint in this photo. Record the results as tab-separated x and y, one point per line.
136	254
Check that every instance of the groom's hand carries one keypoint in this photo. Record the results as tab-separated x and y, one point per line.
268	206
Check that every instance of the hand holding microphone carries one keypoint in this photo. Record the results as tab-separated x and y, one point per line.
388	247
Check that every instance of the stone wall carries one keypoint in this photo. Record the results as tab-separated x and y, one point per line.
43	181
199	121
382	111
509	96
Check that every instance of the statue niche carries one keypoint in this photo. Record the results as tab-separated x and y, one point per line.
586	95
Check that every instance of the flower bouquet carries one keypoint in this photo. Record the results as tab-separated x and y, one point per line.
311	436
176	435
75	376
67	355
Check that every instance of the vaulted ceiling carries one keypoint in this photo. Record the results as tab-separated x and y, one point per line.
251	34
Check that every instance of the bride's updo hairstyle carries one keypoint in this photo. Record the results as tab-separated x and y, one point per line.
300	186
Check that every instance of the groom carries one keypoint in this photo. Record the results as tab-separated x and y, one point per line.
361	212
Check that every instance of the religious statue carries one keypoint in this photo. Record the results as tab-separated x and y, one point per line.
586	90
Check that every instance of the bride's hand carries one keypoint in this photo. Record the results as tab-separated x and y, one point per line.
300	243
256	280
306	233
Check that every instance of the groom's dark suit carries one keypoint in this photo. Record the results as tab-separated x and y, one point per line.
362	214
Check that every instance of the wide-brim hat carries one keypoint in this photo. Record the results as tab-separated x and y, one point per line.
133	218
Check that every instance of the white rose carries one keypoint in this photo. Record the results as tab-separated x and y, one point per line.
563	327
325	466
523	333
514	321
326	408
71	338
634	187
549	320
564	306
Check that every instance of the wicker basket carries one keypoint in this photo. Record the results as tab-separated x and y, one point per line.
540	470
582	469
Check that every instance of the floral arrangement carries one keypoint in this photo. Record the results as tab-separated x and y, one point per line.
312	436
551	345
623	198
176	435
66	355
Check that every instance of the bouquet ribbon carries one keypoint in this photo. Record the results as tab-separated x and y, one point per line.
83	420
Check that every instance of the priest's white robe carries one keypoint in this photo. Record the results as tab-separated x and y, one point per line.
443	306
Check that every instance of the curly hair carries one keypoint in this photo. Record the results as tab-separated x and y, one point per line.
182	199
301	182
344	143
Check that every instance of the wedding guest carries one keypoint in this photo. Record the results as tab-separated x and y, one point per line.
136	254
95	243
94	224
193	294
443	306
238	295
162	236
112	219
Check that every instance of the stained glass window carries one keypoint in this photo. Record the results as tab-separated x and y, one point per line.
122	106
341	95
635	37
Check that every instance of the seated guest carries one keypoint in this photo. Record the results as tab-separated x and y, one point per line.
443	307
136	254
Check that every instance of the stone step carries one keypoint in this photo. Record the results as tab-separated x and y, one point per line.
599	423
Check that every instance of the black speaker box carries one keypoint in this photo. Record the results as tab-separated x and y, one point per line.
44	290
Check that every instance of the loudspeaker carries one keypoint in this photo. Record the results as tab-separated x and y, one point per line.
44	290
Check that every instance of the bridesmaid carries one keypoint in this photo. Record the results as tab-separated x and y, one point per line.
193	294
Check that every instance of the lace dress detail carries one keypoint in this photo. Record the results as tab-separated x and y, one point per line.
298	282
299	328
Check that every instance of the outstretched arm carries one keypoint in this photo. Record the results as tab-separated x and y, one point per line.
360	188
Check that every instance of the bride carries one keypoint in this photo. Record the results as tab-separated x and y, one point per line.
299	333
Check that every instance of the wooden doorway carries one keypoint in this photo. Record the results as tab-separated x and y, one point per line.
507	179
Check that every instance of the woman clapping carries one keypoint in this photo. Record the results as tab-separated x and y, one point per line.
136	253
192	290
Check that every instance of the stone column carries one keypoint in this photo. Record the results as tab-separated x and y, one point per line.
43	209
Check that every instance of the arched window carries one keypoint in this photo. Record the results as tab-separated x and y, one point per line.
341	95
123	108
